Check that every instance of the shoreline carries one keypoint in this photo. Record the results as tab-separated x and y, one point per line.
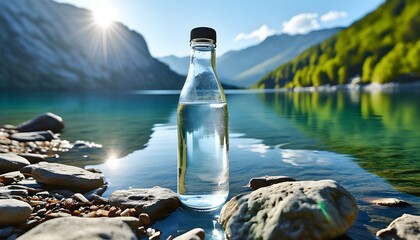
372	87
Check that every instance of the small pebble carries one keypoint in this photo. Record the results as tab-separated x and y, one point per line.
391	202
155	236
102	213
144	219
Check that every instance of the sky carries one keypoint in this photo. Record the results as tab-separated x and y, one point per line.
166	24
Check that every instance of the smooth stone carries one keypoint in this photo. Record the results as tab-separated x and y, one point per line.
33	157
27	170
157	202
8	191
43	194
194	234
390	202
290	210
10	162
69	177
13	211
9	127
405	227
30	183
80	198
4	149
80	228
265	181
44	122
10	177
33	136
98	191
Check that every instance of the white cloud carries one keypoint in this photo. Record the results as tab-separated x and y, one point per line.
301	23
333	15
261	33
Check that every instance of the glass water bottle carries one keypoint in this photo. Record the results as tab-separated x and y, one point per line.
203	143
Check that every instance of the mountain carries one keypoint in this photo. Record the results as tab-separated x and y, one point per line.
179	65
49	45
244	67
383	46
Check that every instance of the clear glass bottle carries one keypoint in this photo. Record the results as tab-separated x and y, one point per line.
203	143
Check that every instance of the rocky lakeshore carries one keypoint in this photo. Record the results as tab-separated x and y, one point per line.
42	199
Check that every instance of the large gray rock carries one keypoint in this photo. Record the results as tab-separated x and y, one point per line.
33	136
70	228
67	177
157	202
46	121
405	227
13	211
10	162
290	210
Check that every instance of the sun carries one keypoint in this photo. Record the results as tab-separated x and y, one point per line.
104	16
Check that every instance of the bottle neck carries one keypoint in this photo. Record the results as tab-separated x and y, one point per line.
203	52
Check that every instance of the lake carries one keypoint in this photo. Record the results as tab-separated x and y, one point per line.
367	142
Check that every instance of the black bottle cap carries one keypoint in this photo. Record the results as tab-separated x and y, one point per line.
203	32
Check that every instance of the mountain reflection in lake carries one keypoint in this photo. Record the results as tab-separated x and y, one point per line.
367	142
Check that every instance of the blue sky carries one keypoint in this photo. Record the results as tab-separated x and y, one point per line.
165	24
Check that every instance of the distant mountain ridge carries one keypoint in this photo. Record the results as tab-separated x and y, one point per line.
244	67
49	45
382	47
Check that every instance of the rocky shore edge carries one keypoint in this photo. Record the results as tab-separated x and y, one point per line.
47	200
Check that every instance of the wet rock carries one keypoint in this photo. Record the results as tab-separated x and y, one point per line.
68	177
265	181
290	210
11	162
81	228
157	202
13	211
194	234
10	177
405	227
33	157
390	202
46	121
33	136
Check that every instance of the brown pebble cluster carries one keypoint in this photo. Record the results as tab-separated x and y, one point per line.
46	208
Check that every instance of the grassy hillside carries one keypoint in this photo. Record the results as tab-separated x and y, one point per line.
382	47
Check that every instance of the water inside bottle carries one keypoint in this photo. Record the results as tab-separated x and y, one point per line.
203	169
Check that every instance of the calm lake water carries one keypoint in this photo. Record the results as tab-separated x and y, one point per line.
368	142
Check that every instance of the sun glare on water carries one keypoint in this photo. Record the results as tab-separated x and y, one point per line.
104	16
